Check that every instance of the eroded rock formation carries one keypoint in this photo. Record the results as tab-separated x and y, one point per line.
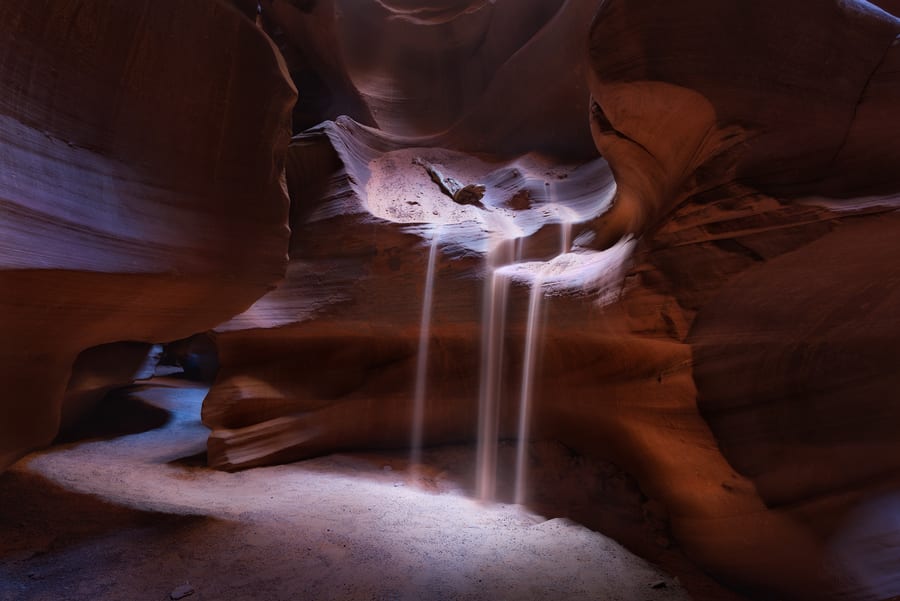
722	327
338	337
101	369
741	368
781	151
502	77
140	189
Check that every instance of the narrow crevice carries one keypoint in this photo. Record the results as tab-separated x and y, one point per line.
733	246
606	127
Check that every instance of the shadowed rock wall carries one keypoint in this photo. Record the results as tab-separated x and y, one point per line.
140	190
439	73
754	161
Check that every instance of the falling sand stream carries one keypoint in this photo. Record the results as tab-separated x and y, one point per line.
418	418
493	329
527	387
503	267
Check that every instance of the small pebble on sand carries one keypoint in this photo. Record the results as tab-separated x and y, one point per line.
185	590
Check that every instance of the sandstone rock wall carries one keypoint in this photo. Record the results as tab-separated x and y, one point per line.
101	369
140	189
327	360
738	365
752	159
723	328
439	74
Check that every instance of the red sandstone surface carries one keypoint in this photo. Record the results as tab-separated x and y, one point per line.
723	328
140	194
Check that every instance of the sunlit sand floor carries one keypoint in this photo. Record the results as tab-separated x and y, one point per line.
138	517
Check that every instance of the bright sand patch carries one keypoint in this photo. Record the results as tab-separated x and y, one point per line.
132	522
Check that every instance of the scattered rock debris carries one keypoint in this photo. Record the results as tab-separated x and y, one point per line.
469	194
520	201
180	592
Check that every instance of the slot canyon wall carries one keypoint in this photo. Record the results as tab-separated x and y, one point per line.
723	327
141	190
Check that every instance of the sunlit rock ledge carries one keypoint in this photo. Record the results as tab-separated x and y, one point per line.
354	289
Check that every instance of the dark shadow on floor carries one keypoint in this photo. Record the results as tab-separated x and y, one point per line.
119	414
57	545
196	460
38	517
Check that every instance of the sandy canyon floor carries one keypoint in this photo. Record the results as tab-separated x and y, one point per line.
138	517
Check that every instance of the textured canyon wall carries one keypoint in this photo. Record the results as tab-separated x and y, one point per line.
755	161
436	73
720	320
141	191
741	367
363	212
327	360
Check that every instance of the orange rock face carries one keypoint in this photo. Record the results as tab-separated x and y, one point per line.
140	194
721	323
760	183
740	369
339	336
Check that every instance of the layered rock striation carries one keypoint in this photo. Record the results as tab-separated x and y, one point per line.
501	77
338	338
761	184
719	289
141	193
732	353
